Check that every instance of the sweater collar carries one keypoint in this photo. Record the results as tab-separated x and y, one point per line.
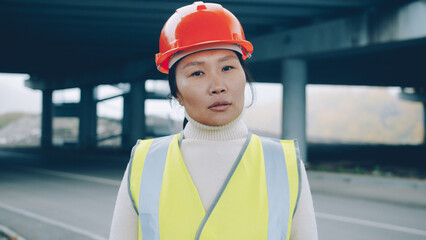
197	131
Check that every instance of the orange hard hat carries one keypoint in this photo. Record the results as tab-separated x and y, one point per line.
196	25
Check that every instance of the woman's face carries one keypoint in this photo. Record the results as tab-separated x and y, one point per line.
211	86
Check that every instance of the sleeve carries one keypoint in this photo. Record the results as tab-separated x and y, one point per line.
304	226
125	220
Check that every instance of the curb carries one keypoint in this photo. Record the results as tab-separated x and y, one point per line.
409	192
373	180
9	233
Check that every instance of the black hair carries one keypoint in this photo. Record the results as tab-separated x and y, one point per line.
174	89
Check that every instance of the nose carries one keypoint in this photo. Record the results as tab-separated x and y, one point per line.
217	86
218	90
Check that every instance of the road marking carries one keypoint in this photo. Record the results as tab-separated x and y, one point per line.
370	223
9	233
53	222
74	176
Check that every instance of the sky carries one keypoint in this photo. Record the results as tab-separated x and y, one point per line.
15	97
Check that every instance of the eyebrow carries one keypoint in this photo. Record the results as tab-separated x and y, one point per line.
198	63
226	58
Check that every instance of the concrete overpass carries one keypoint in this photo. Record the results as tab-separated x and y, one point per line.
66	43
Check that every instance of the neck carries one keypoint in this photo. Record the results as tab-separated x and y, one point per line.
232	130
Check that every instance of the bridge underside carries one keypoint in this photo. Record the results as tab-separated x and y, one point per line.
374	43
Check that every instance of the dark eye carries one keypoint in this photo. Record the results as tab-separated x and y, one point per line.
227	68
197	73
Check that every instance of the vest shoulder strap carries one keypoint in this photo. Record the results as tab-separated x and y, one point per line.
152	149
282	169
134	170
292	156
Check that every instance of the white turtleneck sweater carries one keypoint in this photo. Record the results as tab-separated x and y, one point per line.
209	153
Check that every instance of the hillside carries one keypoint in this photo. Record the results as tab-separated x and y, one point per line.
10	117
24	130
20	130
363	115
348	115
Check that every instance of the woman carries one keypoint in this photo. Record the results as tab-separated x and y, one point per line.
215	180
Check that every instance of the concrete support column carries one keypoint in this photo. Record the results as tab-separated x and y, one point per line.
87	135
126	122
134	124
294	79
424	123
46	119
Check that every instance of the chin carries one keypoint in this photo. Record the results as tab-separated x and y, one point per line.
216	124
219	121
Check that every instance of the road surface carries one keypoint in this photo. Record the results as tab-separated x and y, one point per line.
77	203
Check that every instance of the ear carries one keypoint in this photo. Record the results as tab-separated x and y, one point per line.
179	98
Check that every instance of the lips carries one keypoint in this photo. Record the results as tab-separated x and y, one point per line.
220	105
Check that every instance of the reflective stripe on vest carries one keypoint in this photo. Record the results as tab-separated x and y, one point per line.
257	200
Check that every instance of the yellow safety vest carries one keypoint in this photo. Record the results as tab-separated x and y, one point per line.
257	200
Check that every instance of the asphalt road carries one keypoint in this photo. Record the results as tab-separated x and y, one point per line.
77	203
